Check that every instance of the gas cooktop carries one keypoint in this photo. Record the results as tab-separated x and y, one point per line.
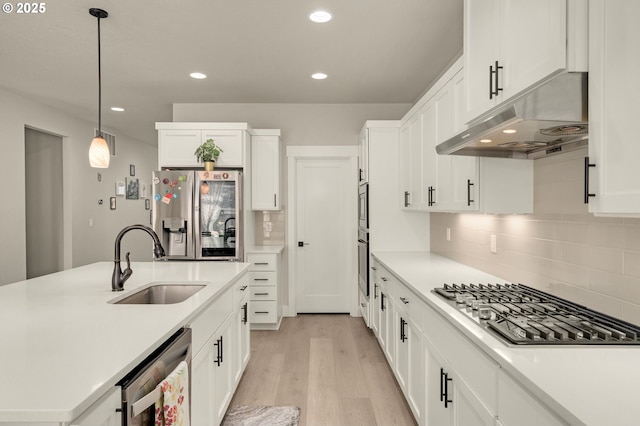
525	316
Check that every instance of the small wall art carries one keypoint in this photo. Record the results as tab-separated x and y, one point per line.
133	189
112	203
120	188
147	204
132	169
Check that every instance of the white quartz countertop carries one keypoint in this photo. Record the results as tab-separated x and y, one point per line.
63	346
589	385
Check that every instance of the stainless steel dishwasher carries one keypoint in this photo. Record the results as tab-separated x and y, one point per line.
139	387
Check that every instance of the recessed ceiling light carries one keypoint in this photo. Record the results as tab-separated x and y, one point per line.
319	76
485	141
320	16
509	131
118	109
198	75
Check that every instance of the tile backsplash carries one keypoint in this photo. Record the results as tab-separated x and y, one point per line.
560	248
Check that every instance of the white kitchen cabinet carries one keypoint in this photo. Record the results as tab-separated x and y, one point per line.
412	179
386	337
519	408
104	411
265	307
265	168
363	156
177	143
511	46
410	359
222	370
364	308
220	342
374	298
614	179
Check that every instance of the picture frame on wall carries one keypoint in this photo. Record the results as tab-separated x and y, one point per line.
133	189
147	204
132	169
112	203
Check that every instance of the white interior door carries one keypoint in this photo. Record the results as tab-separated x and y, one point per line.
325	218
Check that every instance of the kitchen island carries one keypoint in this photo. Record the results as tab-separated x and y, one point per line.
64	346
577	385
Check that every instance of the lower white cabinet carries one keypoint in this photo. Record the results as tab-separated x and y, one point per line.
410	362
103	412
218	363
374	322
265	311
519	408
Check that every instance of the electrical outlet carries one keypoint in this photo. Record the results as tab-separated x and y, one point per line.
494	248
448	234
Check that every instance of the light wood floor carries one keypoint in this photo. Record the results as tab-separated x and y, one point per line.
330	366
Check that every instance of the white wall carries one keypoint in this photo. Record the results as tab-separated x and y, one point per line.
81	190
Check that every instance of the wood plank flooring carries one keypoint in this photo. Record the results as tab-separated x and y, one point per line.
330	366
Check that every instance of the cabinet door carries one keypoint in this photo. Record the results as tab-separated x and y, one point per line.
533	42
402	349
103	412
405	165
176	148
435	411
363	159
613	65
222	371
427	177
375	299
481	32
265	177
202	372
231	142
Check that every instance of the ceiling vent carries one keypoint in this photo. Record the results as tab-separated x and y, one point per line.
111	141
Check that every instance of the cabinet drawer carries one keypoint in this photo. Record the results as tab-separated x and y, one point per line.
262	262
262	312
387	281
263	278
263	293
479	372
241	290
205	324
411	303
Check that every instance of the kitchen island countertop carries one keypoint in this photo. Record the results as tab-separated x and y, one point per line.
589	385
64	346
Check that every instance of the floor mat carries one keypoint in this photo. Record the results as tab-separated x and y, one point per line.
260	415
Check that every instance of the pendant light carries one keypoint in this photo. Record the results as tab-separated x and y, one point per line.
99	154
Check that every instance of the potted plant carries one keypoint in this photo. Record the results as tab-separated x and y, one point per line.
208	153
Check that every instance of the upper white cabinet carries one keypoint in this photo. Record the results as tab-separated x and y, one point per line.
265	168
455	183
363	157
511	46
177	143
614	178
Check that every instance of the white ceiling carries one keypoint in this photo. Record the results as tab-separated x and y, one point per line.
254	51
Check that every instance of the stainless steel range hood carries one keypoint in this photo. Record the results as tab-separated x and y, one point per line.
551	119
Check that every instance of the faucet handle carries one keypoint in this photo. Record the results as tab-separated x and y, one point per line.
128	271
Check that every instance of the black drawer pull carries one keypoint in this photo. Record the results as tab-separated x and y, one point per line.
587	194
261	312
243	288
404	300
260	294
261	279
469	185
261	263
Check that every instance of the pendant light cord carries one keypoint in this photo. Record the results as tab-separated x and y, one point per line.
99	84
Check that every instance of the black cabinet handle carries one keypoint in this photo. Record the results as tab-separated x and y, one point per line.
404	300
375	291
381	301
447	401
218	344
243	288
403	335
275	203
261	263
469	185
493	77
406	199
261	279
260	294
261	312
245	316
430	201
441	385
587	194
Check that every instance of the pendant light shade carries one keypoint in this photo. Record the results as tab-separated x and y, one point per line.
99	154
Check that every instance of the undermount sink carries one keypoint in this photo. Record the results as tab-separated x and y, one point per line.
160	294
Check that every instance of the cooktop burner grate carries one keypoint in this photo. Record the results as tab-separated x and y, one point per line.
525	316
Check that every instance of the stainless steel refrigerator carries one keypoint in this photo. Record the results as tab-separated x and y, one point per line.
198	214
